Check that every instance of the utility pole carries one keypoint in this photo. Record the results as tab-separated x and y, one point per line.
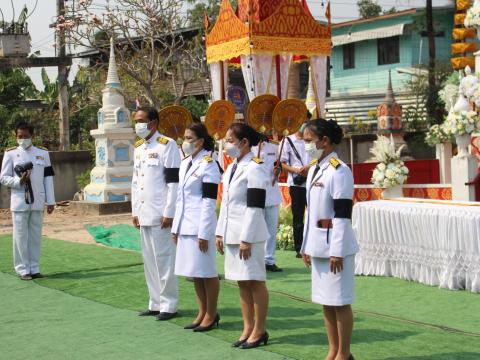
432	86
64	124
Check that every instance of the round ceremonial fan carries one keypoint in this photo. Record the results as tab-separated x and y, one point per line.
173	121
219	116
260	112
289	116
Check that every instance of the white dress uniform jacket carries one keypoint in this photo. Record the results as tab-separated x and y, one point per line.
243	201
41	178
197	197
329	199
155	180
269	153
290	158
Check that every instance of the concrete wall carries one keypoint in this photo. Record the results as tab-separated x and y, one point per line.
67	165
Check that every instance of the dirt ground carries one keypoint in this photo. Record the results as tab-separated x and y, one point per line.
63	225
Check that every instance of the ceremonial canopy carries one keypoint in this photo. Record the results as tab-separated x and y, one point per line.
275	27
264	36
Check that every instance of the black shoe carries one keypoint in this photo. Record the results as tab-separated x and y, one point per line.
239	343
208	327
149	313
37	276
263	339
164	316
273	268
298	256
191	326
26	277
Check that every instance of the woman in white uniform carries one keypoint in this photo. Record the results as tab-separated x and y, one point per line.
242	228
329	245
194	224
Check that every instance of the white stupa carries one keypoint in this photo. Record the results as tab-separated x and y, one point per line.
110	179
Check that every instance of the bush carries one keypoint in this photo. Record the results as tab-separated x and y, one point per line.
285	216
285	237
83	179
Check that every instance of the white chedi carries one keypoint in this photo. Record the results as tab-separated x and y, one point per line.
391	171
472	19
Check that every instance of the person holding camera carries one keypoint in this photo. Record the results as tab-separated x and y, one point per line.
27	170
295	162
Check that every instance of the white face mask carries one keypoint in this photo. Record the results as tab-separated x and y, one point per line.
312	150
232	150
141	129
189	147
24	143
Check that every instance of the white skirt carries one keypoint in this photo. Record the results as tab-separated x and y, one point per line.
242	270
333	289
191	262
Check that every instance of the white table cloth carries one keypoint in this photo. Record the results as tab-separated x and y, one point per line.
435	243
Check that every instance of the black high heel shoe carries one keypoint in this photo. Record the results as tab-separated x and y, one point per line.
239	343
191	326
208	327
252	345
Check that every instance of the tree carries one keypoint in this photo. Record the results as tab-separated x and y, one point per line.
392	10
368	8
151	48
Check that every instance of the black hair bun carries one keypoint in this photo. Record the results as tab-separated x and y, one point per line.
336	132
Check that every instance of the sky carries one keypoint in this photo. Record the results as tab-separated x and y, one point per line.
44	11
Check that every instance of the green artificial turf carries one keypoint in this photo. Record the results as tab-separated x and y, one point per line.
115	277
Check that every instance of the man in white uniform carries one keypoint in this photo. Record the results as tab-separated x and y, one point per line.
154	191
296	162
268	153
31	189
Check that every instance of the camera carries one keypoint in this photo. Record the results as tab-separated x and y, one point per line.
21	169
299	180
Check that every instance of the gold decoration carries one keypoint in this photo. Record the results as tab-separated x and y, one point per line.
289	116
174	120
219	116
260	112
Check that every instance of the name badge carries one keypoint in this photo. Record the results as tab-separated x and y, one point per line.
153	156
318	184
39	157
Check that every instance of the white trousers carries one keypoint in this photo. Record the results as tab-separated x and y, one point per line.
158	252
27	240
271	218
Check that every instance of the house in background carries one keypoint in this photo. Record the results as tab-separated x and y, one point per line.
365	50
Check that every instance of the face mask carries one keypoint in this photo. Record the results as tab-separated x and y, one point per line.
24	143
141	129
189	147
312	150
232	150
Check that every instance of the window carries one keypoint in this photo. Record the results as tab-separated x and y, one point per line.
349	56
388	50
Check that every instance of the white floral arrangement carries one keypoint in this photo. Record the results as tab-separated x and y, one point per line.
285	237
472	19
391	171
436	135
461	123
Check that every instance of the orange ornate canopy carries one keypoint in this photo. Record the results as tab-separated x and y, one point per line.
276	27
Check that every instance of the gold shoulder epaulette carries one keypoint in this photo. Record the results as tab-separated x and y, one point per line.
334	162
208	159
313	162
42	148
162	140
10	149
257	160
139	142
273	142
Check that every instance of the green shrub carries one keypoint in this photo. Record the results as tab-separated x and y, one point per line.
83	179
